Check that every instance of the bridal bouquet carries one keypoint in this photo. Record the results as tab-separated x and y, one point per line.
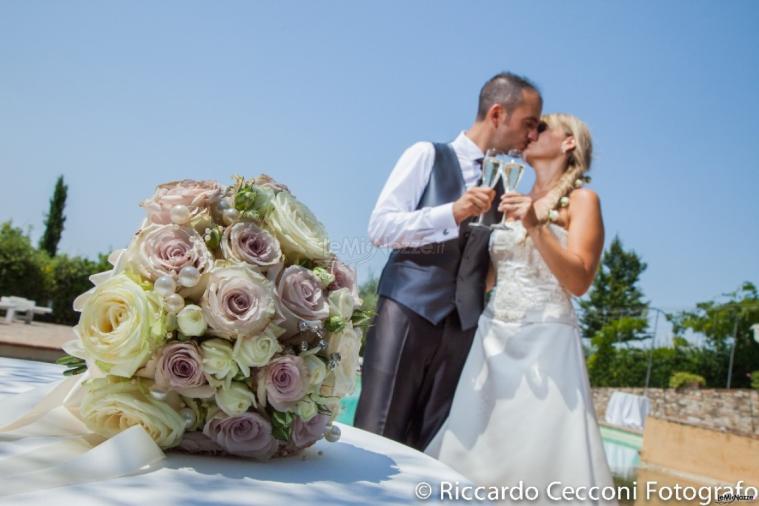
227	325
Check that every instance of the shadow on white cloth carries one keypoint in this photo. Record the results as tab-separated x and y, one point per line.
361	468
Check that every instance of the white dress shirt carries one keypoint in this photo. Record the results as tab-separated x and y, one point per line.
395	222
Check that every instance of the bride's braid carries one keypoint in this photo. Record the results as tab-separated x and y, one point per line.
578	162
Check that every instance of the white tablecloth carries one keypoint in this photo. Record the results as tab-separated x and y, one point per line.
362	468
627	410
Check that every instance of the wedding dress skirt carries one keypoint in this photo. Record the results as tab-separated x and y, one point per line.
522	414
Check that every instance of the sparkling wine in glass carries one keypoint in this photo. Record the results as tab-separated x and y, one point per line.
491	172
511	174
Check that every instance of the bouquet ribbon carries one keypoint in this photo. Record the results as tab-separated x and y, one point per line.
75	454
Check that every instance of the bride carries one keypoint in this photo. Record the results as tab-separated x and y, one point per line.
523	409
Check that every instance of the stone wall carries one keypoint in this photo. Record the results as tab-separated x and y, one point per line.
735	410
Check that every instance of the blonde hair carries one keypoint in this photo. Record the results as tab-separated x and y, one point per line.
578	160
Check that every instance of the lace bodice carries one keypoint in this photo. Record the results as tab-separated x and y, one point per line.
526	290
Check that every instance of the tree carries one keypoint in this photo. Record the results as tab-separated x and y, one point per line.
720	322
615	296
55	219
368	293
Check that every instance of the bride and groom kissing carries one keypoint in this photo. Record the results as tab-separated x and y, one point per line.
498	390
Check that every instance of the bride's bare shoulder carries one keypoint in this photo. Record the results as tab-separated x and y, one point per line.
583	197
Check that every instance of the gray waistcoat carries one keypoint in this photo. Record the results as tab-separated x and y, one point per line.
437	278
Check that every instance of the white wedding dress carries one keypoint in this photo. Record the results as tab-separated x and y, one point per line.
523	410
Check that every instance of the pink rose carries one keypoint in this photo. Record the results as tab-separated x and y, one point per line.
307	433
300	292
286	382
345	277
180	368
246	435
160	250
238	302
246	242
197	196
197	442
269	182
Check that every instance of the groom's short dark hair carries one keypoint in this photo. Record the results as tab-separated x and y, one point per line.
505	89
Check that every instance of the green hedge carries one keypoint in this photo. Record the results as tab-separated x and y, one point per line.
24	271
682	379
28	272
71	279
626	367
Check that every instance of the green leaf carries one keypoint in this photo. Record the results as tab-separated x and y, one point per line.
75	371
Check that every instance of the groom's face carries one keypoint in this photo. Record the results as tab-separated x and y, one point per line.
520	128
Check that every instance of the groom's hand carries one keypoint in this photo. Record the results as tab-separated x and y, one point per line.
473	202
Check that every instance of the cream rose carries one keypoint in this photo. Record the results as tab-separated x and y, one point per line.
110	405
317	371
218	362
191	322
342	380
341	304
306	409
236	399
121	325
255	351
300	234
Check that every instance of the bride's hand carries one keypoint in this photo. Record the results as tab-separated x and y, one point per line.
519	207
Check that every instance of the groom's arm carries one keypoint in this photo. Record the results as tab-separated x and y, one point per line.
395	221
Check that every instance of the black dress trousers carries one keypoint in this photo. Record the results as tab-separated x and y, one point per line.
410	371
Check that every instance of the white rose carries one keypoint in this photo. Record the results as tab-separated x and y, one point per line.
306	409
236	399
300	234
218	362
255	351
191	321
110	405
341	303
121	325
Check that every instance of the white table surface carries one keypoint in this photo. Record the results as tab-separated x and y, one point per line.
362	468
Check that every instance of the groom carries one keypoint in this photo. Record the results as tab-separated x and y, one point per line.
433	286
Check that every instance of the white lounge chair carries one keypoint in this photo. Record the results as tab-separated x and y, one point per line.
29	308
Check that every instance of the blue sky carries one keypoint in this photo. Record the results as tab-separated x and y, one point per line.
121	96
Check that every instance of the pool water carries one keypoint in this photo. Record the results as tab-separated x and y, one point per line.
348	405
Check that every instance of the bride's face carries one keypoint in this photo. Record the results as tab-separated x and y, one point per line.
552	143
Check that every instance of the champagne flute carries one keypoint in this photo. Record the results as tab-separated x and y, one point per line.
491	173
511	175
